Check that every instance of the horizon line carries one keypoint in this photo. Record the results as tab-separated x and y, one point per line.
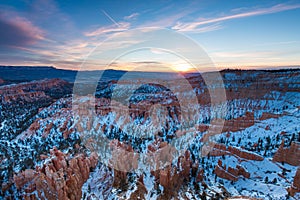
218	69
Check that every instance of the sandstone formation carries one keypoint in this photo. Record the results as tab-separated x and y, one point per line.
140	191
290	155
296	183
33	91
59	178
239	123
230	173
221	149
295	188
268	116
243	197
171	178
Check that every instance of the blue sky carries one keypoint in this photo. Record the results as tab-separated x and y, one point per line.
234	34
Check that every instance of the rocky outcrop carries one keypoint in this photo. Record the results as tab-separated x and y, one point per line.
123	161
290	155
244	198
233	125
222	150
35	90
265	116
21	102
173	177
296	183
230	173
140	192
60	178
239	123
295	188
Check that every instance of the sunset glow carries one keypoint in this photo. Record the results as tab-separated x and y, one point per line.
182	67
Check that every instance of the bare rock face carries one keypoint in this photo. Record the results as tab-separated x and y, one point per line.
221	149
297	180
140	192
239	123
268	115
34	91
172	178
60	178
295	188
230	173
123	160
289	155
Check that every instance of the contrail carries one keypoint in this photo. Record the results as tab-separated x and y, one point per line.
109	17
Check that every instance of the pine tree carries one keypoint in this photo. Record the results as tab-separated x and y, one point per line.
266	179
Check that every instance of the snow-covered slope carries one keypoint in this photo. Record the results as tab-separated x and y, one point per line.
261	121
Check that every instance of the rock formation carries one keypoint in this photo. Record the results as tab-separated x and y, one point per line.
221	149
33	91
230	173
60	178
295	188
290	155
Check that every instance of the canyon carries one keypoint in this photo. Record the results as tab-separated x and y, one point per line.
54	146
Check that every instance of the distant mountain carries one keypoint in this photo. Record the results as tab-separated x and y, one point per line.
16	74
26	73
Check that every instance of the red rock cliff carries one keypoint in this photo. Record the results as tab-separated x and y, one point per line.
60	178
289	155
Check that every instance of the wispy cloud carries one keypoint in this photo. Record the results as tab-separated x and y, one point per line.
162	20
48	14
247	55
193	26
122	26
199	29
18	31
132	16
253	58
278	43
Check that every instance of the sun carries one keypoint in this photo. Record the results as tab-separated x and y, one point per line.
182	67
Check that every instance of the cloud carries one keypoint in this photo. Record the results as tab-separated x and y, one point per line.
261	54
201	29
278	43
163	20
132	16
194	26
251	58
122	26
18	31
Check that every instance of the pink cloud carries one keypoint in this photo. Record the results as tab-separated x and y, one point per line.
122	26
18	31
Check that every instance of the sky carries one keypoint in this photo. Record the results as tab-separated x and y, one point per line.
87	35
